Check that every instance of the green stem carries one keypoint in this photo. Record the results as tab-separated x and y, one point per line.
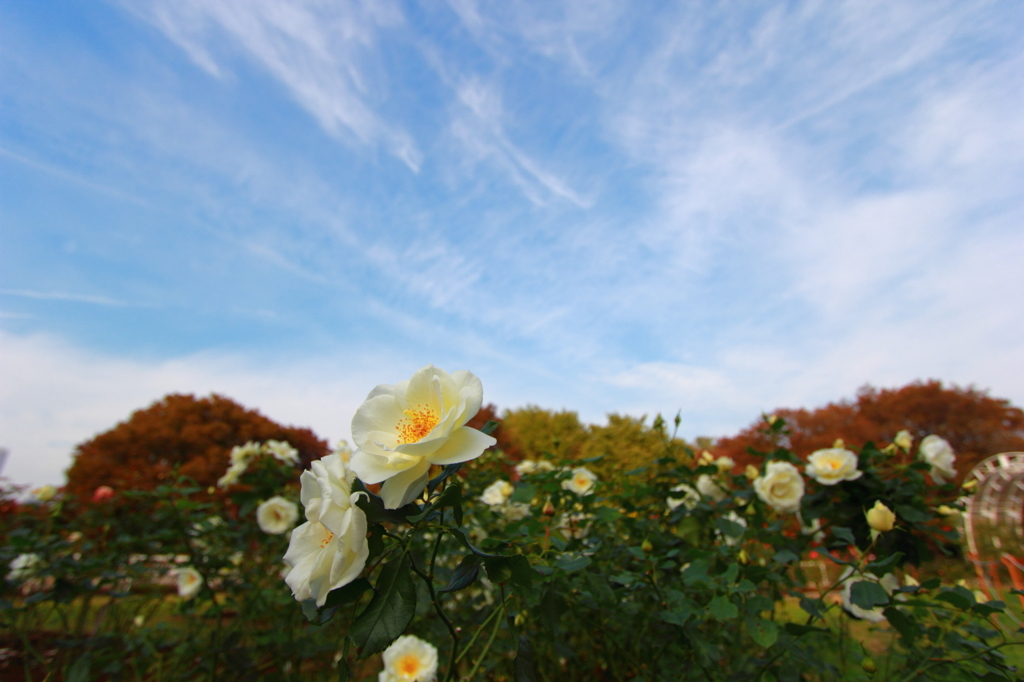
472	641
490	641
440	612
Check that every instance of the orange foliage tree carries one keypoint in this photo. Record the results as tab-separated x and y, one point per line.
180	432
976	425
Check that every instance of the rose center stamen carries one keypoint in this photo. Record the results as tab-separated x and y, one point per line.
409	665
327	540
419	422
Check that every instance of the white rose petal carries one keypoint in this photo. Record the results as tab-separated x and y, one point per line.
330	549
731	540
515	511
938	452
833	465
282	451
277	515
581	482
190	581
889	582
903	440
781	487
707	487
409	659
544	466
24	566
690	497
525	467
400	430
497	493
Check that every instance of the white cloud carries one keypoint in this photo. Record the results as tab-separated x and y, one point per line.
325	55
54	395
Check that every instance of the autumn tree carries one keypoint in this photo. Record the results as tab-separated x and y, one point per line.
193	436
975	424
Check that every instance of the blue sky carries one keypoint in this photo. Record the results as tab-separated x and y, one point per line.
718	208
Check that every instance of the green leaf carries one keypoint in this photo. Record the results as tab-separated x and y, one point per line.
465	573
524	493
336	598
867	594
801	630
373	507
489	427
904	623
525	668
79	670
600	588
784	556
389	612
571	565
461	537
515	569
883	566
344	672
762	631
958	596
607	514
721	609
911	514
844	534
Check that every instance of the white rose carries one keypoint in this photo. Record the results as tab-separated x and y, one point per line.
243	454
497	493
190	581
409	659
581	482
343	450
282	451
277	515
709	488
889	582
525	467
544	466
903	440
45	493
575	526
400	430
330	549
232	475
725	463
781	487
731	540
24	566
689	499
937	452
515	511
832	465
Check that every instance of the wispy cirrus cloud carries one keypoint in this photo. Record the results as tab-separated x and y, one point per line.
325	55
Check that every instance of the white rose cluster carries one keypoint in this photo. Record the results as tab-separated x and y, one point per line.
401	430
529	466
329	550
243	455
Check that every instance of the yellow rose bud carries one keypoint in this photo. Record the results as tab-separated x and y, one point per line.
868	664
751	472
839	443
880	517
706	458
903	440
549	509
771	419
743	557
946	511
971	484
646	546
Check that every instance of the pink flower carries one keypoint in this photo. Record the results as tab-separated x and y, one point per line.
102	494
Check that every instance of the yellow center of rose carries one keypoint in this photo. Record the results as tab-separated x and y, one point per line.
419	422
409	666
327	540
834	464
